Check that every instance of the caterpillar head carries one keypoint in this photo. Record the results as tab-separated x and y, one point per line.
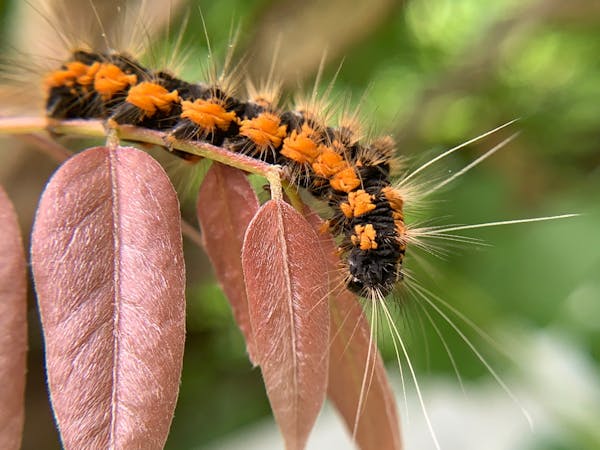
374	271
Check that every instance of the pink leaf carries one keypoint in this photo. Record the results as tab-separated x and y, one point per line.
13	327
226	205
108	267
378	425
286	280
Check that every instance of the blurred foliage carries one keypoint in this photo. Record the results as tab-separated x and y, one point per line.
434	73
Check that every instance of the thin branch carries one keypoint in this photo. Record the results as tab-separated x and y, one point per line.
96	128
192	233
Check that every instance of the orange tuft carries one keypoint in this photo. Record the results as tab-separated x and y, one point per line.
347	210
87	78
394	198
110	79
67	77
400	228
150	97
359	203
264	130
325	227
208	114
302	147
345	180
364	236
328	163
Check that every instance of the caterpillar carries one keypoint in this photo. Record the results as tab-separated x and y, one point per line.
330	162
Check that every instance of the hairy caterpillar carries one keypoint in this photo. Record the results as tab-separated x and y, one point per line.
331	163
246	142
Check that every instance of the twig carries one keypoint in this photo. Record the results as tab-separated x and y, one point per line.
96	128
192	233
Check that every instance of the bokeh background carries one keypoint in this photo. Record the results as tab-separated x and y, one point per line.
433	73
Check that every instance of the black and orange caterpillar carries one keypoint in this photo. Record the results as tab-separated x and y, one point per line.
331	162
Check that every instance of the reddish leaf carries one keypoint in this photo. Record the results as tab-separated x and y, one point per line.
379	425
108	266
13	327
286	281
226	205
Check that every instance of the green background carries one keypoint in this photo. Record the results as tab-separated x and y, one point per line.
433	73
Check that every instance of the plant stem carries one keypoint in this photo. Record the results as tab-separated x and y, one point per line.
96	128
